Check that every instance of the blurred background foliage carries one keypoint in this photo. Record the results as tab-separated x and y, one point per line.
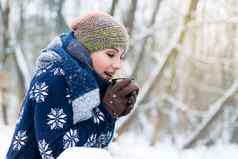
182	53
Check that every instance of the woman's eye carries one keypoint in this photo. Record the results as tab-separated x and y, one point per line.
110	55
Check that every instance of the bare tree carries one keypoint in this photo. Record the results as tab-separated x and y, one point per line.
130	18
56	7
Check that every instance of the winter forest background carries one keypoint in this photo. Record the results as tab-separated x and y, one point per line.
182	53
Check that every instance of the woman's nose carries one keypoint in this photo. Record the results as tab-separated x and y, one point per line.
117	64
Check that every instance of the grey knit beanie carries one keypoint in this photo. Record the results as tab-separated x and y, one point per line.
98	30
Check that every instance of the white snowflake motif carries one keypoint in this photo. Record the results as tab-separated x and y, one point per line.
104	139
98	116
70	139
92	140
19	140
56	118
44	149
39	91
58	72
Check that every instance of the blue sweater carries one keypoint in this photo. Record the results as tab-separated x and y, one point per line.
62	107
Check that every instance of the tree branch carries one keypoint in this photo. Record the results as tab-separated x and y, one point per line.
56	7
1	11
141	53
216	109
113	8
6	34
130	20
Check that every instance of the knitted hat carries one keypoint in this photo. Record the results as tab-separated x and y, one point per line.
98	30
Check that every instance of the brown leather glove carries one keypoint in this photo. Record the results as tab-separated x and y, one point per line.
130	102
117	96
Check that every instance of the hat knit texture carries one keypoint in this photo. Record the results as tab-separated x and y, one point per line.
98	31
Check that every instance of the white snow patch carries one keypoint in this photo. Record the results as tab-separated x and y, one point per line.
85	153
131	146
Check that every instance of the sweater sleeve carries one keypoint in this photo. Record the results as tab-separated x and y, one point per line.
54	124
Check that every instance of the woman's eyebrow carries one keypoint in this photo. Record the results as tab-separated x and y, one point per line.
115	50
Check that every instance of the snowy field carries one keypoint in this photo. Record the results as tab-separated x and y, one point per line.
131	147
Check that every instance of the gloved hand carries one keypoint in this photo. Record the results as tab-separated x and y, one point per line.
131	102
116	98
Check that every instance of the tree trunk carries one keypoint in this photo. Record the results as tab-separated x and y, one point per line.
59	22
24	65
22	79
113	8
1	11
6	35
130	20
4	107
6	45
141	54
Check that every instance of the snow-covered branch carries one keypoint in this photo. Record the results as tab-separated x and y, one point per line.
159	67
141	53
181	106
215	109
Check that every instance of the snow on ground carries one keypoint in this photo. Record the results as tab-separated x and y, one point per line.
87	153
134	147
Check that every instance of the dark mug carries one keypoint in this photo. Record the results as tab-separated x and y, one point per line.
115	80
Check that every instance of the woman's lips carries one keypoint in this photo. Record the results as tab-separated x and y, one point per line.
108	75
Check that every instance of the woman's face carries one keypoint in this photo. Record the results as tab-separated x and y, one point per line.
106	62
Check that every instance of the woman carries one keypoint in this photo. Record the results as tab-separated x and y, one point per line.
71	101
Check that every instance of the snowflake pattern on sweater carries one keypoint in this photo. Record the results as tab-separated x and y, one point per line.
70	139
19	140
39	92
98	116
56	118
44	149
99	142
